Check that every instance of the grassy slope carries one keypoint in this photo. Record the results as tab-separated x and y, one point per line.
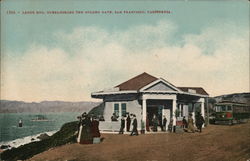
64	136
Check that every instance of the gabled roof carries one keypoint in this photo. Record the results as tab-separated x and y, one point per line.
199	90
160	80
137	82
144	81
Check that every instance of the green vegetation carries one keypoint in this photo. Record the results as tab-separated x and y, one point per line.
177	113
98	110
64	136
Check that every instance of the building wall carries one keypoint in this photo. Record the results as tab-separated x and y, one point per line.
132	105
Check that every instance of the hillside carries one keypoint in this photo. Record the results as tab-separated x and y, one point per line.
45	106
215	143
66	135
235	97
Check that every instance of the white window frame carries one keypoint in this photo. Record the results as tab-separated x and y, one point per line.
120	107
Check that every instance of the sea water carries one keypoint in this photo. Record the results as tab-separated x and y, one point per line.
9	129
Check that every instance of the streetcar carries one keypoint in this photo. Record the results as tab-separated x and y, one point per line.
230	113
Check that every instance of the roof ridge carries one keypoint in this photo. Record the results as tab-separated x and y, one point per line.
169	82
144	73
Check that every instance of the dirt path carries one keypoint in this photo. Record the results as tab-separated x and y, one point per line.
215	143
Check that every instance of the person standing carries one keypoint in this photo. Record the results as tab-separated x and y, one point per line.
160	121
191	124
170	125
155	123
164	123
85	134
199	121
184	122
122	125
95	128
134	130
128	122
147	123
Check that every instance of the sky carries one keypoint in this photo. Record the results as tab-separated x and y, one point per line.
68	56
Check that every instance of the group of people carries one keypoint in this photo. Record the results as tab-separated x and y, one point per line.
189	125
129	118
157	121
88	128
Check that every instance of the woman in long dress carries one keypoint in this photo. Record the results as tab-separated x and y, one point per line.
155	123
85	135
95	128
191	124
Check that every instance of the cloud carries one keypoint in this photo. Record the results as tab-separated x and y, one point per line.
90	58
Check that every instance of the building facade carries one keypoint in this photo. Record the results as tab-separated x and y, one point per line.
146	96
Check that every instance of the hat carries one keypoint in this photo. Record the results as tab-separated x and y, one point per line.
84	114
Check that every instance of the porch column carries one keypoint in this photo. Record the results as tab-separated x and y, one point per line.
173	113
193	112
202	107
202	101
144	111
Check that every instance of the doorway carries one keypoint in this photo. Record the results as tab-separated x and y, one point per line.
154	110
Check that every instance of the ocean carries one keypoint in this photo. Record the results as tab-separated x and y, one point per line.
9	129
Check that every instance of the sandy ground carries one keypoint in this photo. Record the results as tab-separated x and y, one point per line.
215	143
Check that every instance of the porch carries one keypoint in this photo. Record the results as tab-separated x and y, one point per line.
171	106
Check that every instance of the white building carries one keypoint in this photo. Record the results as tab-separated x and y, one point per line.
146	95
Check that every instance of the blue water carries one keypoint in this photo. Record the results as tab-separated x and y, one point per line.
9	129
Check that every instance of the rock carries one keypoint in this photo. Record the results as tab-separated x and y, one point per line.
5	146
43	136
32	139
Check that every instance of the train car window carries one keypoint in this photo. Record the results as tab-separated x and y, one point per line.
218	108
223	108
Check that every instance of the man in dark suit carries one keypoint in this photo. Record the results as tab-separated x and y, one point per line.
128	123
199	121
164	123
134	131
122	125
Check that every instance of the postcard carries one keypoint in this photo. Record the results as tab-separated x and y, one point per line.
125	80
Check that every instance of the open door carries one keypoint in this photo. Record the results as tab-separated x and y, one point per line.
167	114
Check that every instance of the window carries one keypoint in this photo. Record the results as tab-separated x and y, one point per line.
116	109
124	109
223	108
229	108
218	108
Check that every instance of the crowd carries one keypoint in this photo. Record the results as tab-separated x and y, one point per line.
188	126
88	129
129	118
157	121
